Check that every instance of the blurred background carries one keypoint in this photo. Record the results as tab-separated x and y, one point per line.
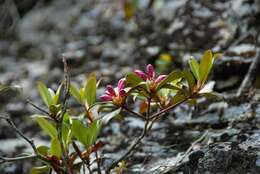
111	38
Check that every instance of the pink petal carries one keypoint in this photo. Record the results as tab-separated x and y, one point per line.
140	74
150	71
160	78
122	93
121	84
110	90
106	98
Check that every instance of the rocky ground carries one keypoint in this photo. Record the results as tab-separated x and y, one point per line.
218	136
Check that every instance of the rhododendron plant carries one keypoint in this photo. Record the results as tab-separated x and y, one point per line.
74	143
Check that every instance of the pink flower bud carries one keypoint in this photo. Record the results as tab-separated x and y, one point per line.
140	74
110	90
122	93
150	71
121	85
160	78
106	98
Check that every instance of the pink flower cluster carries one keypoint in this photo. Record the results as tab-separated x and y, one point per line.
150	76
116	95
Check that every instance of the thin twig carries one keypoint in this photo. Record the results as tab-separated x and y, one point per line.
147	127
76	148
63	111
136	141
129	150
133	112
158	114
37	107
29	141
6	159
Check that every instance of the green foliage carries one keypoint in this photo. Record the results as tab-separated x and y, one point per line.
40	170
195	68
43	150
46	126
201	71
106	118
86	135
90	90
45	94
86	95
170	78
132	80
55	147
157	94
74	91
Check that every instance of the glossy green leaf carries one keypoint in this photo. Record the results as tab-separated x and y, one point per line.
55	147
66	133
195	69
43	150
74	91
132	80
94	130
170	86
47	127
179	97
86	135
79	131
90	90
206	65
45	94
190	78
56	97
39	170
106	118
171	77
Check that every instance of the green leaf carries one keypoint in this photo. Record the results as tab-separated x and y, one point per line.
66	133
206	65
47	127
174	75
56	97
86	135
56	147
170	86
45	94
190	78
79	131
179	97
106	118
39	170
94	130
43	150
132	80
74	91
90	90
195	69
